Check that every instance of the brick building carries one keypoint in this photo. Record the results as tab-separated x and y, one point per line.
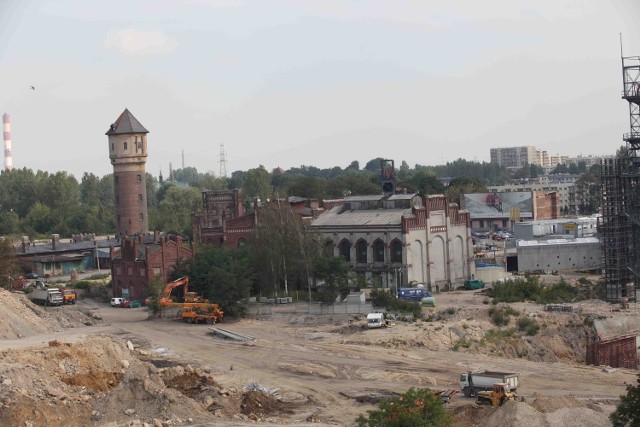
128	155
140	259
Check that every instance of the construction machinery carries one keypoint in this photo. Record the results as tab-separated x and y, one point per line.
194	309
473	382
166	299
70	296
497	396
209	315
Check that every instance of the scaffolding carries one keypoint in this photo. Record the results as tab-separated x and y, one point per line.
620	179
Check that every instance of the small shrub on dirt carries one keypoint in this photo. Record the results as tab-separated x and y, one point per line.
421	407
498	334
500	315
462	342
528	325
451	310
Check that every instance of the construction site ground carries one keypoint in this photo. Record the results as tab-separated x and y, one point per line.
92	364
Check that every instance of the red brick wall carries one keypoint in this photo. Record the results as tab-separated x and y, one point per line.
128	206
617	353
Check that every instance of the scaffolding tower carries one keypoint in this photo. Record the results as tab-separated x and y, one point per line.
620	179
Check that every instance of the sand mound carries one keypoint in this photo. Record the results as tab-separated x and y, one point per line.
545	411
20	318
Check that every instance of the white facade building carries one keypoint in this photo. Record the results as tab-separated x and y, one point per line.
402	239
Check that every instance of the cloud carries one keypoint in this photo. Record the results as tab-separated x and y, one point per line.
130	42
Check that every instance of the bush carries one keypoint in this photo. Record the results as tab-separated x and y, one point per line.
530	289
628	411
382	298
528	325
415	408
81	284
500	315
462	342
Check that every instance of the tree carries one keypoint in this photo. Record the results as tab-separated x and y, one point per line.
174	211
258	184
415	408
278	249
90	189
627	414
334	272
360	183
309	187
425	182
373	165
223	276
464	185
588	192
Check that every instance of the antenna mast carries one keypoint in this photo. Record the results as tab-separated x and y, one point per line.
223	162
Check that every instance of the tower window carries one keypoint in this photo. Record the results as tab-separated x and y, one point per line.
138	178
117	199
116	178
118	219
125	145
140	197
112	146
141	216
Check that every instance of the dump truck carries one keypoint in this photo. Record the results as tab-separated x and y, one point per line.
499	394
47	296
473	382
70	296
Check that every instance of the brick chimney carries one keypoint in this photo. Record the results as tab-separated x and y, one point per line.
55	240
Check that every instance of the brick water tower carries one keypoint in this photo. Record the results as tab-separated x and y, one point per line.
128	154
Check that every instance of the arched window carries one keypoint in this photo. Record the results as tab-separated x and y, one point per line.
361	251
378	251
241	242
396	251
345	250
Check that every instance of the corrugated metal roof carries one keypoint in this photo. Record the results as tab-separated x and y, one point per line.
341	218
578	240
373	198
408	196
125	124
616	326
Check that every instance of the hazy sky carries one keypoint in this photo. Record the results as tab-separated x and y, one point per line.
321	83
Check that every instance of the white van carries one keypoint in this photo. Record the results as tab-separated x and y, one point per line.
115	302
376	320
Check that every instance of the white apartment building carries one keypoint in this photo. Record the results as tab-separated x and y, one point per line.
517	157
514	157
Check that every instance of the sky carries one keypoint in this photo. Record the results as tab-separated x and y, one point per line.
287	83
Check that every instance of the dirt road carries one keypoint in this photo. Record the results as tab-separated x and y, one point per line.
325	368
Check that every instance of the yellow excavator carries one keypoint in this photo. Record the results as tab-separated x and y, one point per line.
497	396
195	309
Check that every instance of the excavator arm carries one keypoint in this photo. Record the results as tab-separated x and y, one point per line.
166	295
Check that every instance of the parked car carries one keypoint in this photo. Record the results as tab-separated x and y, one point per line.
473	284
115	302
31	275
135	304
124	303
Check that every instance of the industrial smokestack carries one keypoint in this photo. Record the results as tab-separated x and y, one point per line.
8	161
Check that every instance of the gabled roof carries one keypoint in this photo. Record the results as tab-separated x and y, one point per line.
125	124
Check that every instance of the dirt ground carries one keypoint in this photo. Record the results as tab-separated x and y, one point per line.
94	365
